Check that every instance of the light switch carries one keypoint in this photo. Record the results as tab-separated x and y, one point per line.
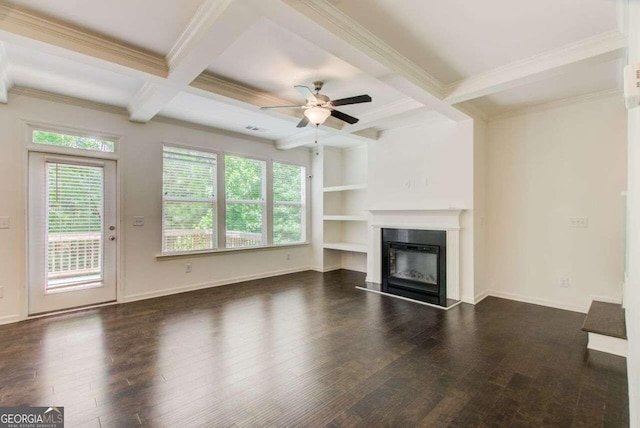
5	223
138	221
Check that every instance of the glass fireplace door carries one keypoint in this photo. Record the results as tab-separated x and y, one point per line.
415	263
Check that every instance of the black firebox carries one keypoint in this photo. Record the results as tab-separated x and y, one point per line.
414	264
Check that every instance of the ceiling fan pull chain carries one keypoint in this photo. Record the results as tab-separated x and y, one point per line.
317	150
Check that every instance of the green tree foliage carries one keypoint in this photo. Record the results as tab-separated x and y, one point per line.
288	190
244	181
73	141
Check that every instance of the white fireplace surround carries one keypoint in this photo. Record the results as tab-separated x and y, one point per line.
424	219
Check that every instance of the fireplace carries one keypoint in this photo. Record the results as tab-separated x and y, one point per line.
414	264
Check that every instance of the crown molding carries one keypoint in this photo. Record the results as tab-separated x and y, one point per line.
5	78
473	111
593	96
65	99
608	45
204	18
26	23
367	42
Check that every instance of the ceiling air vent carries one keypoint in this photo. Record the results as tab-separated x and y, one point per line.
632	85
255	128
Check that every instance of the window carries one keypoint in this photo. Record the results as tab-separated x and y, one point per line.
72	141
288	203
245	193
189	200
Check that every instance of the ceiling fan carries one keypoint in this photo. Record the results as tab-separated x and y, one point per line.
319	106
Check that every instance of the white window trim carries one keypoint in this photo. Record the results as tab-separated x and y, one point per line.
221	207
32	126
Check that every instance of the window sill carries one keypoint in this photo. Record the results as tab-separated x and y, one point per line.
226	251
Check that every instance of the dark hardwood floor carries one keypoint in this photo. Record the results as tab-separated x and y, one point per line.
309	349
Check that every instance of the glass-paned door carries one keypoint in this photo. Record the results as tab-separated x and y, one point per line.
72	232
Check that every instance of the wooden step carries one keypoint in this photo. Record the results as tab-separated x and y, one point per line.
606	319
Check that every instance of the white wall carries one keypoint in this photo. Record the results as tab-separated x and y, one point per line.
140	167
428	167
632	287
544	168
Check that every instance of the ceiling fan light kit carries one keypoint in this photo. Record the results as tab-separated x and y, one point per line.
319	107
317	115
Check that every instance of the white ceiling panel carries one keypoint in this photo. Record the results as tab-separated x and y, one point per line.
205	111
273	59
454	39
49	73
149	24
591	79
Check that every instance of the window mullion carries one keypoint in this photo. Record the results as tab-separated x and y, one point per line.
268	212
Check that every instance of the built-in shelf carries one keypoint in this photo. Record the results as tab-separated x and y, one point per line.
345	188
346	246
345	218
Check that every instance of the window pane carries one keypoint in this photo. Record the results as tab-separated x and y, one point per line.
74	224
244	187
287	224
73	141
189	174
244	178
287	183
288	203
189	192
244	225
188	226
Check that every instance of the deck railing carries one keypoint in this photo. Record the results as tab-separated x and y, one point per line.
75	254
72	254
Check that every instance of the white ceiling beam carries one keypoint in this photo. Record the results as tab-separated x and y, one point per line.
362	136
568	58
5	78
330	28
212	29
25	28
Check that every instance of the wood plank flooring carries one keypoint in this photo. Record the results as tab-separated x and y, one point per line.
310	350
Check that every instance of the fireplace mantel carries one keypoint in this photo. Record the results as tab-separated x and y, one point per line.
417	218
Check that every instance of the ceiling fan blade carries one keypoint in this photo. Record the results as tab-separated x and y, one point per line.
274	107
344	117
352	100
304	122
306	92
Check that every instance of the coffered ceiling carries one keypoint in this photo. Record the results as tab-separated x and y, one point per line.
215	62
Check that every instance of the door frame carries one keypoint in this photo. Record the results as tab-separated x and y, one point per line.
29	127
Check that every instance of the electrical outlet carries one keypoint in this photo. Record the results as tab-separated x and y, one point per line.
288	256
565	282
1	292
580	222
138	220
5	223
187	268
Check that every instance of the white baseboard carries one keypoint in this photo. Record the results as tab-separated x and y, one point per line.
326	269
608	344
200	286
10	319
617	301
480	297
538	301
